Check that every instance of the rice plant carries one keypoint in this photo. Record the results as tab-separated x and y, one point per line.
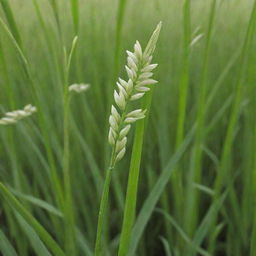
16	115
139	73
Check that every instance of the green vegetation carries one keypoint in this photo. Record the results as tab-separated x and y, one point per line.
186	185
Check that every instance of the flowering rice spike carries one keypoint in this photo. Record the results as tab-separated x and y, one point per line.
139	71
16	115
78	88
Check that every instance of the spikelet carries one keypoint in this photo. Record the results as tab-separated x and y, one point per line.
78	88
139	71
15	116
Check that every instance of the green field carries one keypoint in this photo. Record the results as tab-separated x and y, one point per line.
186	185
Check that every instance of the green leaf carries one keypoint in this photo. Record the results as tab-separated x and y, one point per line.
5	246
38	202
182	233
83	244
75	14
41	232
35	241
155	194
11	21
166	246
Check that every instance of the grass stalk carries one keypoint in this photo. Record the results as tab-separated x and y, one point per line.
103	208
224	166
75	14
138	70
55	9
118	35
11	21
191	215
182	105
133	179
70	233
253	236
253	180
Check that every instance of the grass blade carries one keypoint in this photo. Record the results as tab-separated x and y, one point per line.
11	21
155	194
118	35
75	14
6	247
182	233
192	198
42	233
182	105
35	241
132	187
38	202
229	138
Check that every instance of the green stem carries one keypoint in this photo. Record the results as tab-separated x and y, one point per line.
253	237
132	186
68	208
192	199
118	36
103	207
11	21
70	233
223	169
75	14
184	81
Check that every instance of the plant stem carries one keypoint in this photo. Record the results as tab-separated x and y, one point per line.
224	166
253	237
132	188
68	208
118	35
103	207
253	184
11	21
184	81
70	233
191	215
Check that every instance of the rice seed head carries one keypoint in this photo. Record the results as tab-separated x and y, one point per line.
147	82
150	48
137	96
138	50
131	63
120	155
136	113
115	114
124	131
134	116
16	115
120	144
111	137
78	88
120	99
145	75
149	68
139	71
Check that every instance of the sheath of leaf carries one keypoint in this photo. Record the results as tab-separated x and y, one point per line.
140	71
16	115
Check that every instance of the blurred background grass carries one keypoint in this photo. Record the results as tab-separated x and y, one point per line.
31	150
